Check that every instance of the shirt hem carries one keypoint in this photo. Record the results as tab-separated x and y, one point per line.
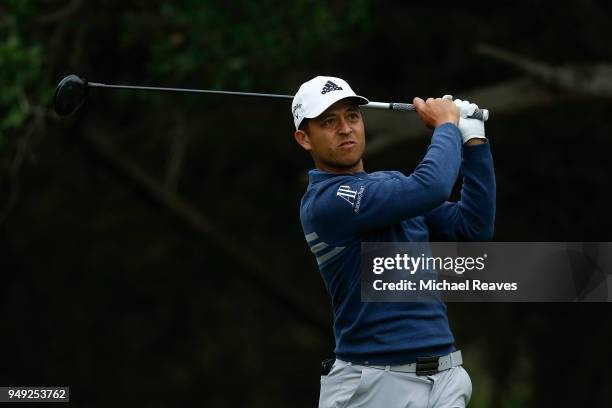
396	358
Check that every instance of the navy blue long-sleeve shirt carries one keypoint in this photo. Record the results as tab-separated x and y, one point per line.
340	211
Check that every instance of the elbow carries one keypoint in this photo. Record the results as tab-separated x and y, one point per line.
483	226
490	227
483	232
478	234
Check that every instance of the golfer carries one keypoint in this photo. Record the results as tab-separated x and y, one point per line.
394	354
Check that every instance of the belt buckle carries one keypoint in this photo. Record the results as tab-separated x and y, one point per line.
427	365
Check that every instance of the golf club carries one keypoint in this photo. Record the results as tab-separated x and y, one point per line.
72	91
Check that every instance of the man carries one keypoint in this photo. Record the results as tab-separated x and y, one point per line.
378	344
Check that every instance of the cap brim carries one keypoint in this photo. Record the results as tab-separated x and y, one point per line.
320	109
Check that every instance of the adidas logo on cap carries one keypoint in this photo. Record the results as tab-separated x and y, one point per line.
330	86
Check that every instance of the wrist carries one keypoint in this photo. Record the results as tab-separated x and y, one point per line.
475	140
447	120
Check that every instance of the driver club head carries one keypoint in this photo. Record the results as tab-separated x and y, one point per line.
69	95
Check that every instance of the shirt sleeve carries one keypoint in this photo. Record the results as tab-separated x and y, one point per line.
472	218
364	203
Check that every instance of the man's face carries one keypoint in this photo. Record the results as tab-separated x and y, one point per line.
336	138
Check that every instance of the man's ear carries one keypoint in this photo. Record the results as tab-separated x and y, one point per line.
303	139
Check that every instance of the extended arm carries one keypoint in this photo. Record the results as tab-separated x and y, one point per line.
387	200
473	217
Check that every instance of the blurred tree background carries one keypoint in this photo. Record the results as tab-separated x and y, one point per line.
152	253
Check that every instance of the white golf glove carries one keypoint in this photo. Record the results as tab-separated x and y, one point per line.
470	128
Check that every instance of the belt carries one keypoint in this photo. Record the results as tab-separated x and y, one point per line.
424	365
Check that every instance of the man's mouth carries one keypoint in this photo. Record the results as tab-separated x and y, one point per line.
348	144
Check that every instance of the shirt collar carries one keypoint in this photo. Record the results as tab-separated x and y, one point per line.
316	175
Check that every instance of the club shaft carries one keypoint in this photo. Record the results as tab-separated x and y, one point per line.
481	114
376	105
186	90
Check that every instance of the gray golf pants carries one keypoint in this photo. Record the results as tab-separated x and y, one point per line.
350	386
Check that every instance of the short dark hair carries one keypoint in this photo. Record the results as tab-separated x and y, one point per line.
303	125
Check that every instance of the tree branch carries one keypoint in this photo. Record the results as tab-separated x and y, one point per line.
252	268
61	14
505	98
37	115
544	85
586	79
176	157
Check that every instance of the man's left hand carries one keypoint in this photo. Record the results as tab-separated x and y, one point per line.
472	130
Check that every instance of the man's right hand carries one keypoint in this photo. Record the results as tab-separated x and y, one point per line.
436	112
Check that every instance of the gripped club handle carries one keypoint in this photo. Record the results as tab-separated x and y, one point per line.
480	114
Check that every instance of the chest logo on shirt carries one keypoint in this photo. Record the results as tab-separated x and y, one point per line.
353	197
347	194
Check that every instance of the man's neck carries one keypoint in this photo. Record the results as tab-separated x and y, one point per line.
357	168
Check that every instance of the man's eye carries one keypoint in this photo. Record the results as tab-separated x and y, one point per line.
328	122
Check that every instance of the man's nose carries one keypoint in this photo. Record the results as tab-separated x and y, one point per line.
345	128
